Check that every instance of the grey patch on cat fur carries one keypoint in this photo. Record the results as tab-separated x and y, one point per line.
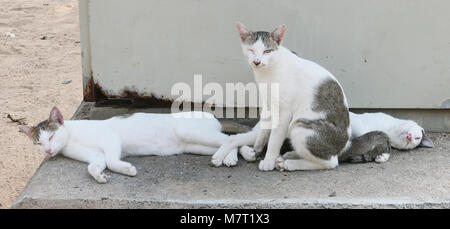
331	134
265	37
366	148
44	125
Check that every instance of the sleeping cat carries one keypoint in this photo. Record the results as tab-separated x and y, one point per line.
398	133
313	111
403	134
104	143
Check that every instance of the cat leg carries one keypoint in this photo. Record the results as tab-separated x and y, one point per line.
96	169
276	139
261	140
202	137
121	167
291	155
248	153
200	149
231	159
233	142
307	162
297	164
95	158
113	154
382	158
97	165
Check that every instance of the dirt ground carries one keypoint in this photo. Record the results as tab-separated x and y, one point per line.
35	67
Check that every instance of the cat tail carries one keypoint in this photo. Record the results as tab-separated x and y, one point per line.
373	146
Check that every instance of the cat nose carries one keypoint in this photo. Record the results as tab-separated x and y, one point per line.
409	137
48	150
257	62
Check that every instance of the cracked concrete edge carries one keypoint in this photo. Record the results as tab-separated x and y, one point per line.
83	111
27	202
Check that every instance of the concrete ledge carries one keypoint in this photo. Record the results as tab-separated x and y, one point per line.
413	179
416	179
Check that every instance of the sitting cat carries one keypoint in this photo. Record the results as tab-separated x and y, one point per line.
104	143
313	110
403	134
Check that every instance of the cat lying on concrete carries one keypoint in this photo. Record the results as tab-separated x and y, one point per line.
104	143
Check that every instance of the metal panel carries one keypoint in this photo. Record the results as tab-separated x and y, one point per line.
385	53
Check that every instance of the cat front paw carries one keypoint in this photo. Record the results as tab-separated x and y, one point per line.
383	158
216	161
267	165
231	159
130	171
280	164
101	178
248	153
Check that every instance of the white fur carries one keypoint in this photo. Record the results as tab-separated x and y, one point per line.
396	129
233	142
103	143
383	158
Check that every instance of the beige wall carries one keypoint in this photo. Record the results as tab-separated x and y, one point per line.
385	53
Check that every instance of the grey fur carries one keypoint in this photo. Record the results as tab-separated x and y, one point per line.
366	148
265	37
44	125
426	141
331	133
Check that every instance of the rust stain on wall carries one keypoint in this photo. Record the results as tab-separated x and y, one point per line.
93	92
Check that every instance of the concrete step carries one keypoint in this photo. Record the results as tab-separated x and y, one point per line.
413	179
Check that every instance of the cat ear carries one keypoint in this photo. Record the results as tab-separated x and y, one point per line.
244	33
278	34
26	130
426	141
56	116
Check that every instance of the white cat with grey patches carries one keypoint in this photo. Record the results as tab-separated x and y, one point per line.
104	143
313	111
403	134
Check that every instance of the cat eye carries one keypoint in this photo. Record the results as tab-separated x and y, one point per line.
51	137
38	143
251	50
268	51
417	138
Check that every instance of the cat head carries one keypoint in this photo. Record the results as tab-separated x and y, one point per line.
50	135
411	136
261	48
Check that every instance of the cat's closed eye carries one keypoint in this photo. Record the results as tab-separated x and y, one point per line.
251	50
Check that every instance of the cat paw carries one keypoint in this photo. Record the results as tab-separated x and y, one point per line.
280	164
101	178
130	171
248	153
231	159
216	162
382	158
267	165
